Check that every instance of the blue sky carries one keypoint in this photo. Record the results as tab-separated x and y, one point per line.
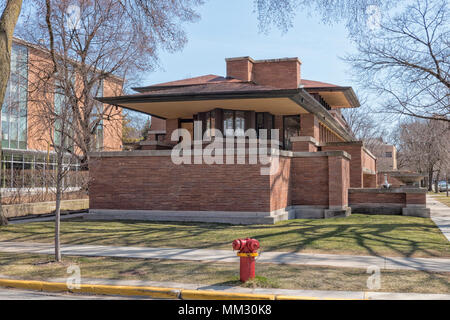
230	29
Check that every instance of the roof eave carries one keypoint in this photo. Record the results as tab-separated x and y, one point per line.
348	92
300	96
276	93
306	101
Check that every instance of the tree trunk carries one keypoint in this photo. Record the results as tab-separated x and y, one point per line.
436	182
7	25
430	180
59	177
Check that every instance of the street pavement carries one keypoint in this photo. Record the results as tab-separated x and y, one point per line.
16	294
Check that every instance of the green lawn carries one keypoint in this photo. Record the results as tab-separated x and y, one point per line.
36	267
357	234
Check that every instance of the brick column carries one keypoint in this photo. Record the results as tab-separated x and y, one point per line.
309	125
171	125
338	184
304	144
356	168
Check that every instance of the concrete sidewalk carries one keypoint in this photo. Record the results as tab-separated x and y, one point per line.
440	214
436	265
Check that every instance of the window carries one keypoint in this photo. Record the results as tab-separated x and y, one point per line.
228	126
264	120
210	118
60	103
388	155
97	91
14	111
291	125
239	123
233	123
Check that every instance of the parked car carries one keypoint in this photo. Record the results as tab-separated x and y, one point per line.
442	186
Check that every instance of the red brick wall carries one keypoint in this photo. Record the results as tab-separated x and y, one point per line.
155	183
309	126
240	69
171	125
158	124
276	73
309	181
278	124
339	181
416	198
368	162
355	151
364	197
280	196
370	180
304	146
279	74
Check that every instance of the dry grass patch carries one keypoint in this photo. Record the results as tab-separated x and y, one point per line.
358	234
30	267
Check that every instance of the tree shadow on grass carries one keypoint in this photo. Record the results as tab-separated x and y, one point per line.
360	235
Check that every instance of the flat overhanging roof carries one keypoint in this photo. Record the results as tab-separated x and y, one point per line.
337	97
277	102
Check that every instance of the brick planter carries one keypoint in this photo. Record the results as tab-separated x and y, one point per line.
402	201
147	185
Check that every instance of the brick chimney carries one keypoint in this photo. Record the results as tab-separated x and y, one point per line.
280	73
240	68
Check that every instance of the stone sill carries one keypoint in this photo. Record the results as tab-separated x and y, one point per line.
391	190
167	153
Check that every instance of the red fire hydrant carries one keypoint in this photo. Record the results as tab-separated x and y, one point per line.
247	252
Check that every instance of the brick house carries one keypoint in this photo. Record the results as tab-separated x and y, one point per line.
318	163
25	145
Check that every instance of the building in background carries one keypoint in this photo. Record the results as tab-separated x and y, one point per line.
387	157
24	147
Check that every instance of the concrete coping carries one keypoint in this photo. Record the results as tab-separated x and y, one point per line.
368	171
356	142
262	61
390	190
304	139
337	153
369	153
167	153
341	143
154	143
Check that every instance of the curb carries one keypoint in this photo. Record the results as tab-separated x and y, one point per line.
151	292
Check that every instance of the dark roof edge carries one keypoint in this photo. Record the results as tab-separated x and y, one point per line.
348	92
299	96
248	94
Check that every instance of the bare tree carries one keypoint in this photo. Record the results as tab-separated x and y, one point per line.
366	127
135	126
403	58
423	147
57	119
357	15
406	61
85	39
8	22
